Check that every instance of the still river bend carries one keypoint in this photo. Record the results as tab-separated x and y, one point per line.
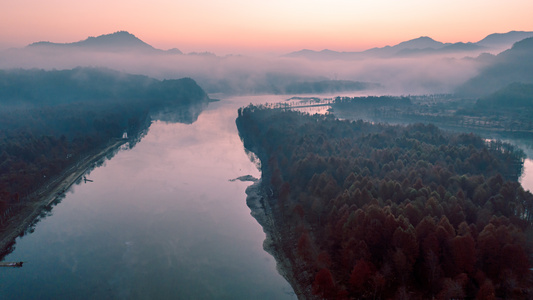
160	221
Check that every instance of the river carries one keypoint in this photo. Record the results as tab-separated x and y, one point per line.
159	221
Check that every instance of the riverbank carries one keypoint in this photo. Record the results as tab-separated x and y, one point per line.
19	223
277	238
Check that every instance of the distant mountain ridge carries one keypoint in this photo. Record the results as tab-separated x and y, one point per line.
497	39
120	41
512	65
420	46
123	41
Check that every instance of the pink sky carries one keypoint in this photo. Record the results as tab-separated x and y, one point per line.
245	26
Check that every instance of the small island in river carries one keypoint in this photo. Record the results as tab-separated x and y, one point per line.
373	211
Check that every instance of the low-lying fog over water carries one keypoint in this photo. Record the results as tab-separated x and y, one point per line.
251	74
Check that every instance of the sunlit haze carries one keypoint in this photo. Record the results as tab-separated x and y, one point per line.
239	26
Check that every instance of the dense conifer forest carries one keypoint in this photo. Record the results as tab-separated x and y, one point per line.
374	211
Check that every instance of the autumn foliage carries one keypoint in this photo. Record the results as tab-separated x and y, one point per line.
399	212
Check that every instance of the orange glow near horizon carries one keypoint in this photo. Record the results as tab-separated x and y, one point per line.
239	26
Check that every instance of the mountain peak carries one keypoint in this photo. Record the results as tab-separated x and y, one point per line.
120	39
122	34
504	39
420	43
424	38
117	41
525	44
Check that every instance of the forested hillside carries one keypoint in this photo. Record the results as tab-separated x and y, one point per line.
516	97
51	119
373	211
513	65
40	87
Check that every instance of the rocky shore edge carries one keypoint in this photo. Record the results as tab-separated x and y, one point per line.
276	238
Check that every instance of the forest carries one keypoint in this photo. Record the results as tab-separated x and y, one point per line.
375	211
49	120
508	110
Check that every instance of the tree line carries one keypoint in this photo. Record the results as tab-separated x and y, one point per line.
51	119
375	211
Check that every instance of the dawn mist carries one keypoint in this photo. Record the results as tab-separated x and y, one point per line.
266	150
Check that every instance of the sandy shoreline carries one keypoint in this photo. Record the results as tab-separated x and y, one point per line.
261	210
20	222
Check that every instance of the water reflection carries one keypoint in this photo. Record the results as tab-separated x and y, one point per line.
186	114
321	110
161	220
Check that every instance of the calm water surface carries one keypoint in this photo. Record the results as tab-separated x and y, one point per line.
160	221
527	175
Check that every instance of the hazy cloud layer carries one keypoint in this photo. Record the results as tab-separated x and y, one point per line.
245	74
